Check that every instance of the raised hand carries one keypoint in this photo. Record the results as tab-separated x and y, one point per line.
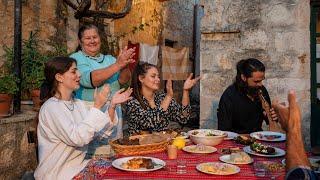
274	115
290	117
189	83
121	96
125	57
100	98
169	87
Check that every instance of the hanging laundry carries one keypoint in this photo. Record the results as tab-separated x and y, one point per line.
149	53
132	66
175	62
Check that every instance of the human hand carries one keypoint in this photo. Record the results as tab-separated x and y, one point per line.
121	96
125	57
101	97
290	117
169	87
273	114
189	83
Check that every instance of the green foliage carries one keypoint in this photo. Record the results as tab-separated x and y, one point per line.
8	83
33	61
7	79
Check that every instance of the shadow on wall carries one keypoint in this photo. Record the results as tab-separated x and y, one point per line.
211	122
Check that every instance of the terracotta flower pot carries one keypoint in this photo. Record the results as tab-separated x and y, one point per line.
35	95
5	105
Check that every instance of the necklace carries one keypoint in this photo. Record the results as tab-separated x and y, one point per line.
70	106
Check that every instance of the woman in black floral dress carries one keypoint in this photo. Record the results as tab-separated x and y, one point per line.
150	110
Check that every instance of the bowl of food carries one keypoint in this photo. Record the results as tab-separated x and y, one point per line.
209	137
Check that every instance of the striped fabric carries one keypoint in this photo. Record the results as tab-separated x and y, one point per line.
175	62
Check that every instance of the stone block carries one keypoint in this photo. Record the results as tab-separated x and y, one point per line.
277	15
291	41
255	39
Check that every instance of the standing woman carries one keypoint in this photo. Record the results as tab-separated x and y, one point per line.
66	126
150	110
98	69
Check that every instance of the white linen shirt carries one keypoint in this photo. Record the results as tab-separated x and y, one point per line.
63	136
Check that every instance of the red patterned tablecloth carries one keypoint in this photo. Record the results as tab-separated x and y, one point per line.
102	169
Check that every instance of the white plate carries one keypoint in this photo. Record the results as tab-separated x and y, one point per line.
226	159
158	163
279	152
231	135
200	167
195	149
264	133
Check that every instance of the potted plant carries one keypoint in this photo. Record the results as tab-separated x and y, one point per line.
33	62
33	82
8	87
32	68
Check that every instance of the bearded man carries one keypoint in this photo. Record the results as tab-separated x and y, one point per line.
240	108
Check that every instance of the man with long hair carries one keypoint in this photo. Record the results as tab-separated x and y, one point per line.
240	109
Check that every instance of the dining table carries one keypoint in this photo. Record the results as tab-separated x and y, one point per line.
101	168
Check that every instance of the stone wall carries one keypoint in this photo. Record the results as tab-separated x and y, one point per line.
17	155
43	16
276	32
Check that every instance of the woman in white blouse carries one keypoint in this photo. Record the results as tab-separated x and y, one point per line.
66	126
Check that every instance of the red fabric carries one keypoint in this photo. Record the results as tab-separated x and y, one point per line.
132	66
169	171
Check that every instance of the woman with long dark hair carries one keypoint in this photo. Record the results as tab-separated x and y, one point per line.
66	126
150	110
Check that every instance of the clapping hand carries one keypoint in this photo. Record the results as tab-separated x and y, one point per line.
125	57
121	96
169	87
101	97
189	83
274	115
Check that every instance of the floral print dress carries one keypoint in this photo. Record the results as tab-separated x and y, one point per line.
154	119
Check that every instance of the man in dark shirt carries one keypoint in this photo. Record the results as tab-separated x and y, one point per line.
240	108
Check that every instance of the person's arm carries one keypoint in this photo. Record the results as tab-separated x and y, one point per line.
290	120
99	76
179	113
144	119
125	75
167	99
57	121
119	97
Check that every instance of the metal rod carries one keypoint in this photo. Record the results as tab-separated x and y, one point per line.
17	53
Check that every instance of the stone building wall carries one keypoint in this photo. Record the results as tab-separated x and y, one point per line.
17	155
43	16
171	20
276	32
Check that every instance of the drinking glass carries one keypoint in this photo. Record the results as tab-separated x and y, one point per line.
181	166
259	169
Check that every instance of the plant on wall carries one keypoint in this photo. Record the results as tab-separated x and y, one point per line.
33	61
7	78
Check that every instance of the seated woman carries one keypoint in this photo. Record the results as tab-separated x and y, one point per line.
66	126
150	110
